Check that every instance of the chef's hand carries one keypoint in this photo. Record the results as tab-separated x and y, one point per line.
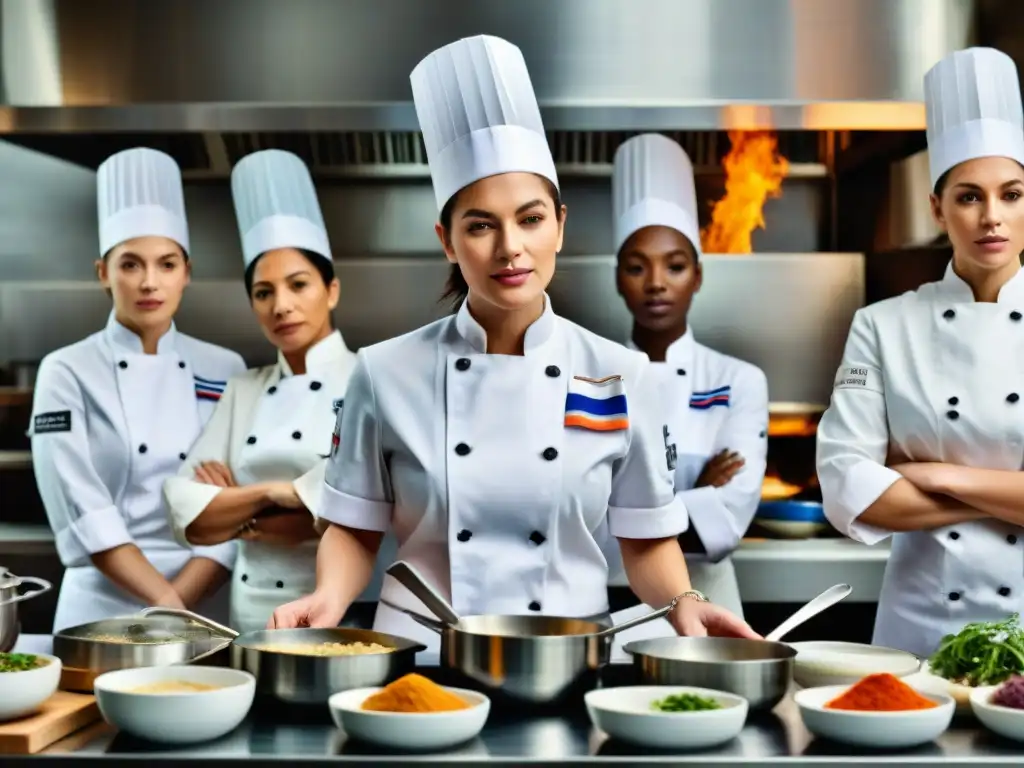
215	473
720	469
283	494
319	610
693	618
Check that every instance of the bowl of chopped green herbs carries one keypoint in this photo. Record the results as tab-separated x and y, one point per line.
667	717
26	681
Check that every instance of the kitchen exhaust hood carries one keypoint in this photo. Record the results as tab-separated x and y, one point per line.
211	80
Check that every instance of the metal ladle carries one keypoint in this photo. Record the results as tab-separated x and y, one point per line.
825	600
435	602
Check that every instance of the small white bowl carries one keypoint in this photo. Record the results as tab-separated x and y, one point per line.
927	681
879	730
626	714
822	663
1005	721
22	693
180	717
409	730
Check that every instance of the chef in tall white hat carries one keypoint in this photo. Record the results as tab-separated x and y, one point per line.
501	443
257	472
716	406
115	414
924	438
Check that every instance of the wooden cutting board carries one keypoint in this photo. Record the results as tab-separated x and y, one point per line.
61	715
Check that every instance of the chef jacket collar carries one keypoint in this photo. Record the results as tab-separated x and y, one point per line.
955	288
536	335
128	341
679	351
320	356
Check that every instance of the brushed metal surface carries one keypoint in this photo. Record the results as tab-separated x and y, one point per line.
759	671
616	64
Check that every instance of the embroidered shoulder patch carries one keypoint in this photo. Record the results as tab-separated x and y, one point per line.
859	377
596	404
712	398
209	389
54	421
338	405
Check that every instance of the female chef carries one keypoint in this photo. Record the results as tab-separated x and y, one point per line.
716	405
503	442
257	471
924	437
114	415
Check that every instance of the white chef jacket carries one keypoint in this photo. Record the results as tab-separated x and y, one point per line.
270	425
476	462
109	425
713	401
931	375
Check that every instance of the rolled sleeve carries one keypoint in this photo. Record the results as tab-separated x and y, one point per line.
853	437
81	511
310	487
643	504
224	554
722	515
357	486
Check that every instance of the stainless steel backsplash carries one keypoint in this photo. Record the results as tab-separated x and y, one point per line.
784	308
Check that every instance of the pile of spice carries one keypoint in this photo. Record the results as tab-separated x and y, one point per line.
20	662
684	702
880	693
1010	694
414	693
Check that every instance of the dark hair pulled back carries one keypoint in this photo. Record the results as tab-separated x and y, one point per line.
323	266
456	288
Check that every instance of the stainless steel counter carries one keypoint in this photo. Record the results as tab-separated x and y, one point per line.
309	738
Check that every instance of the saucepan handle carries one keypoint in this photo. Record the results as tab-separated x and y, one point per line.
43	584
197	618
432	624
661	612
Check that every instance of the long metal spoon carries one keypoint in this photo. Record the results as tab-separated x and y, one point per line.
825	600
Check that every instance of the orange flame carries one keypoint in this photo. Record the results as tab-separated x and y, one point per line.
754	171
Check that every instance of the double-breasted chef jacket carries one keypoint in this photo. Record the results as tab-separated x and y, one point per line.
109	425
931	375
270	425
712	402
501	475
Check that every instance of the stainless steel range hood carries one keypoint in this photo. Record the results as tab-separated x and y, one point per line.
343	65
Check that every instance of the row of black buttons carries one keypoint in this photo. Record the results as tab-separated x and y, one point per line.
1011	398
251	440
549	453
143	448
536	537
122	364
463	364
1002	592
279	585
1016	316
1010	538
314	385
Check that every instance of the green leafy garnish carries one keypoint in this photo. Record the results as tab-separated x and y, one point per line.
19	662
684	702
982	653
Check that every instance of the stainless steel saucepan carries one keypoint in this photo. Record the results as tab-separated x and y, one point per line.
304	678
10	626
533	658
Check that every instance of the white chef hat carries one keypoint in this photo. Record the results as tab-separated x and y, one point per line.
276	205
139	194
479	115
973	104
652	184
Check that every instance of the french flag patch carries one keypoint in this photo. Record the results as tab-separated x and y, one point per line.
208	389
596	404
702	401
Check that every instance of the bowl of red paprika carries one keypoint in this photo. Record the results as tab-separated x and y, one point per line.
879	711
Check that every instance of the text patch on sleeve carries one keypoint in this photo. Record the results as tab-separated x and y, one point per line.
55	421
859	377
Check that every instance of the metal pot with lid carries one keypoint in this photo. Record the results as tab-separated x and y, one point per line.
10	626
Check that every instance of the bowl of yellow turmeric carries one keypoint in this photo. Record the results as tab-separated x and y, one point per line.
412	713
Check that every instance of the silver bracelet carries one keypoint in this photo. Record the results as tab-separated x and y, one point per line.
693	594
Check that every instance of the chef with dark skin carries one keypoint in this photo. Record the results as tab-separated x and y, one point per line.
716	406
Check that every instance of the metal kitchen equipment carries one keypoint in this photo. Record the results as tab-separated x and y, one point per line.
126	642
300	679
10	626
758	670
533	658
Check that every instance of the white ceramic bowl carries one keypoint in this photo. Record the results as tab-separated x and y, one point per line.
880	730
1005	721
821	663
22	693
409	730
175	718
926	681
626	714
